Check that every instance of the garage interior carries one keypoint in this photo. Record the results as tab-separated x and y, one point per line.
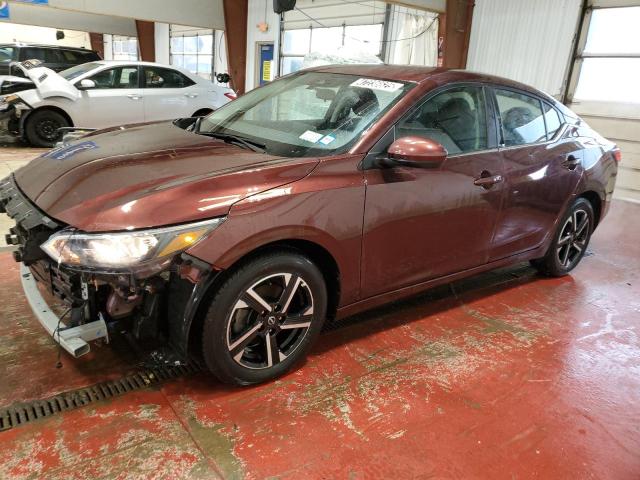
506	374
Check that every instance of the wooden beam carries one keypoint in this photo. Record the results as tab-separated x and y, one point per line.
146	40
97	43
457	32
235	34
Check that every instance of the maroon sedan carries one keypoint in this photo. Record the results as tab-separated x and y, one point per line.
234	236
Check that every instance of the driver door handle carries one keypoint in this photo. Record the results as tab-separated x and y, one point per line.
134	96
486	180
191	95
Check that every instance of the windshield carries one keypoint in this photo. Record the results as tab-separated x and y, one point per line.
75	72
308	114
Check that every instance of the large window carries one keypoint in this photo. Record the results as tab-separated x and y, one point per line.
611	58
300	42
192	50
125	48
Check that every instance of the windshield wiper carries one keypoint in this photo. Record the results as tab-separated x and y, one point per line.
237	140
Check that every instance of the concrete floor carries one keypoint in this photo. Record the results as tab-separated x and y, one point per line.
506	375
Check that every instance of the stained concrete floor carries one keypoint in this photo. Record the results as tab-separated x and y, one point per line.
506	375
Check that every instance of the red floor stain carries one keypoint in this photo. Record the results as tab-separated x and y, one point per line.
508	375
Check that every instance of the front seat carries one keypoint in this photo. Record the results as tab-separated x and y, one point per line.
457	120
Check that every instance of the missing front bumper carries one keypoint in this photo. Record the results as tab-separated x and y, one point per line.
75	340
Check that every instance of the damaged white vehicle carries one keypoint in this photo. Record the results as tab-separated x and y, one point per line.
101	95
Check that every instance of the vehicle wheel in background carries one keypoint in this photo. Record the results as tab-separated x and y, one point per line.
42	126
264	318
570	241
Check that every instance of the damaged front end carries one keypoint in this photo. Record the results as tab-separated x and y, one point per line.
82	286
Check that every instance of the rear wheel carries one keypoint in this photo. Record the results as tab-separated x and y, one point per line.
570	240
42	127
264	318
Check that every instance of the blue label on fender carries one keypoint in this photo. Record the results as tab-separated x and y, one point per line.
63	153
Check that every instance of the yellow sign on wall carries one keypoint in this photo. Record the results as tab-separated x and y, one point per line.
266	71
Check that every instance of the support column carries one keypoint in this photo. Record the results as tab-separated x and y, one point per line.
97	43
146	40
235	29
457	32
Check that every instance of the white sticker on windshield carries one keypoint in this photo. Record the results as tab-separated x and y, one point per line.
374	84
311	136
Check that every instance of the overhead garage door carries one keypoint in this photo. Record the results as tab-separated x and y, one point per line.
604	87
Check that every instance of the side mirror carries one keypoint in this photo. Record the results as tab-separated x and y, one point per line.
86	84
416	152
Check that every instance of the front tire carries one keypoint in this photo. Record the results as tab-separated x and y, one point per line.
41	129
263	318
570	241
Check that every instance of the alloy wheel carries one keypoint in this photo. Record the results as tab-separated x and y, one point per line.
269	320
573	239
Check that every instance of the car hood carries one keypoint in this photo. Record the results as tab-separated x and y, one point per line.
149	175
49	83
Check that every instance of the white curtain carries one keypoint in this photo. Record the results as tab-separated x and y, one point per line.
413	37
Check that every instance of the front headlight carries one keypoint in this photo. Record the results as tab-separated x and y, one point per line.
125	250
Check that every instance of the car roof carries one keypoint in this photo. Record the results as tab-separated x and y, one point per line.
417	74
41	45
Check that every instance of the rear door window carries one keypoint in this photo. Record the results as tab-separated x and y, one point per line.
521	118
552	119
155	77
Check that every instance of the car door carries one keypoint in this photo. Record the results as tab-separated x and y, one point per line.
115	100
542	170
421	224
167	94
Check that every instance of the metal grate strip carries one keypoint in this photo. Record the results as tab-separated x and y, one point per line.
21	413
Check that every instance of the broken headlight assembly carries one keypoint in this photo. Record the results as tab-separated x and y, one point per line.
148	250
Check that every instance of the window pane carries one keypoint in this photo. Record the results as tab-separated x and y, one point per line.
522	120
296	42
128	78
291	64
609	80
155	77
366	38
105	78
204	64
190	44
191	63
177	44
205	44
455	118
553	120
614	30
177	60
326	39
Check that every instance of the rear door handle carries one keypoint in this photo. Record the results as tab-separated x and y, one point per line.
571	162
191	95
134	96
486	180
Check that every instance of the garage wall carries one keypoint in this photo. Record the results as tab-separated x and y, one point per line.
619	123
528	41
10	32
260	11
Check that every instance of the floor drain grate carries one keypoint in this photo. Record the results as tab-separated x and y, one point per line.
22	413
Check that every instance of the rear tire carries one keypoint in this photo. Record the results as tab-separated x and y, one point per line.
263	318
570	241
41	129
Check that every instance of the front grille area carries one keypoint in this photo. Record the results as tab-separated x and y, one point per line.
60	284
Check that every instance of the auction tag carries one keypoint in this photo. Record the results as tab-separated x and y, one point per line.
311	136
374	84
